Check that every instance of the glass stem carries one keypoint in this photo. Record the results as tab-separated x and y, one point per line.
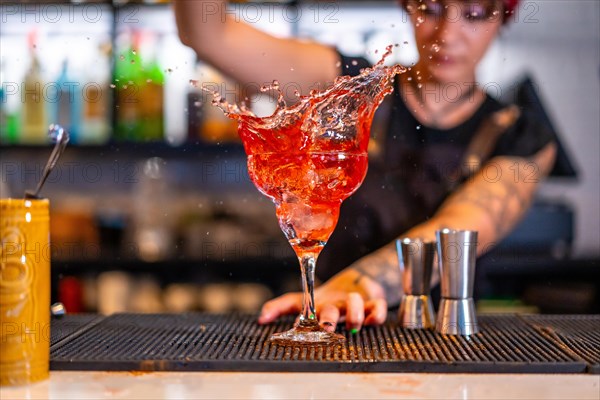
307	265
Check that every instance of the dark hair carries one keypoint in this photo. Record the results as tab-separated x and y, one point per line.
509	8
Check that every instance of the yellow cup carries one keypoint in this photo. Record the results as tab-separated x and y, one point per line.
24	291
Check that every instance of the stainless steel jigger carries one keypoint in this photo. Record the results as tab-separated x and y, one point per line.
457	251
416	264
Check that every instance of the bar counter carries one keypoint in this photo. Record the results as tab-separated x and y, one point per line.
78	385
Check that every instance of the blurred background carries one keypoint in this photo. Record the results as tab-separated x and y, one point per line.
152	207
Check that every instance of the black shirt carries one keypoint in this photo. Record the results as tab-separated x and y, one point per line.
412	174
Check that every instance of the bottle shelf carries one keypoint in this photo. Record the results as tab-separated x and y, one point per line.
140	149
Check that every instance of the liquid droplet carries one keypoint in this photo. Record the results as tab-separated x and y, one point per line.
435	47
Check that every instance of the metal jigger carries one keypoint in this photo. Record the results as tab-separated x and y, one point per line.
416	264
457	251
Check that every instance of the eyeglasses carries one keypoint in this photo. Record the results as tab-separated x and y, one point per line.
475	11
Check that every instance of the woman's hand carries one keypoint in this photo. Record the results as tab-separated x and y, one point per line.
349	295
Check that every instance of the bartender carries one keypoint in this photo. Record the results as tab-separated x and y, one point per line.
449	156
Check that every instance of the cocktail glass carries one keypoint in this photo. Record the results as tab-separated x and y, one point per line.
308	158
308	189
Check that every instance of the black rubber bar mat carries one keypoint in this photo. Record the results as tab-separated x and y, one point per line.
203	342
67	326
579	334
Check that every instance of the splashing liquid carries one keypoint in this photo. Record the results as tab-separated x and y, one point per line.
308	158
311	156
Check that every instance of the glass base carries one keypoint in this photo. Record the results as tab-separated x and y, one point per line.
307	333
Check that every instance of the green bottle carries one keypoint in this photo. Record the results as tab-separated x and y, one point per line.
152	105
128	81
10	117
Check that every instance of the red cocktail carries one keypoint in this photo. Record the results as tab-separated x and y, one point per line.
308	158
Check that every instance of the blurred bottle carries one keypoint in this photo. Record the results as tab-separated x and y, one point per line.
65	102
90	293
114	292
139	81
152	95
9	121
128	80
35	122
216	297
180	297
4	138
153	213
146	296
180	62
70	293
194	117
10	117
195	107
95	128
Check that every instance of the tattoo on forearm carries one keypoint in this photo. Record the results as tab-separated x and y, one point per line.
506	221
504	203
382	267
